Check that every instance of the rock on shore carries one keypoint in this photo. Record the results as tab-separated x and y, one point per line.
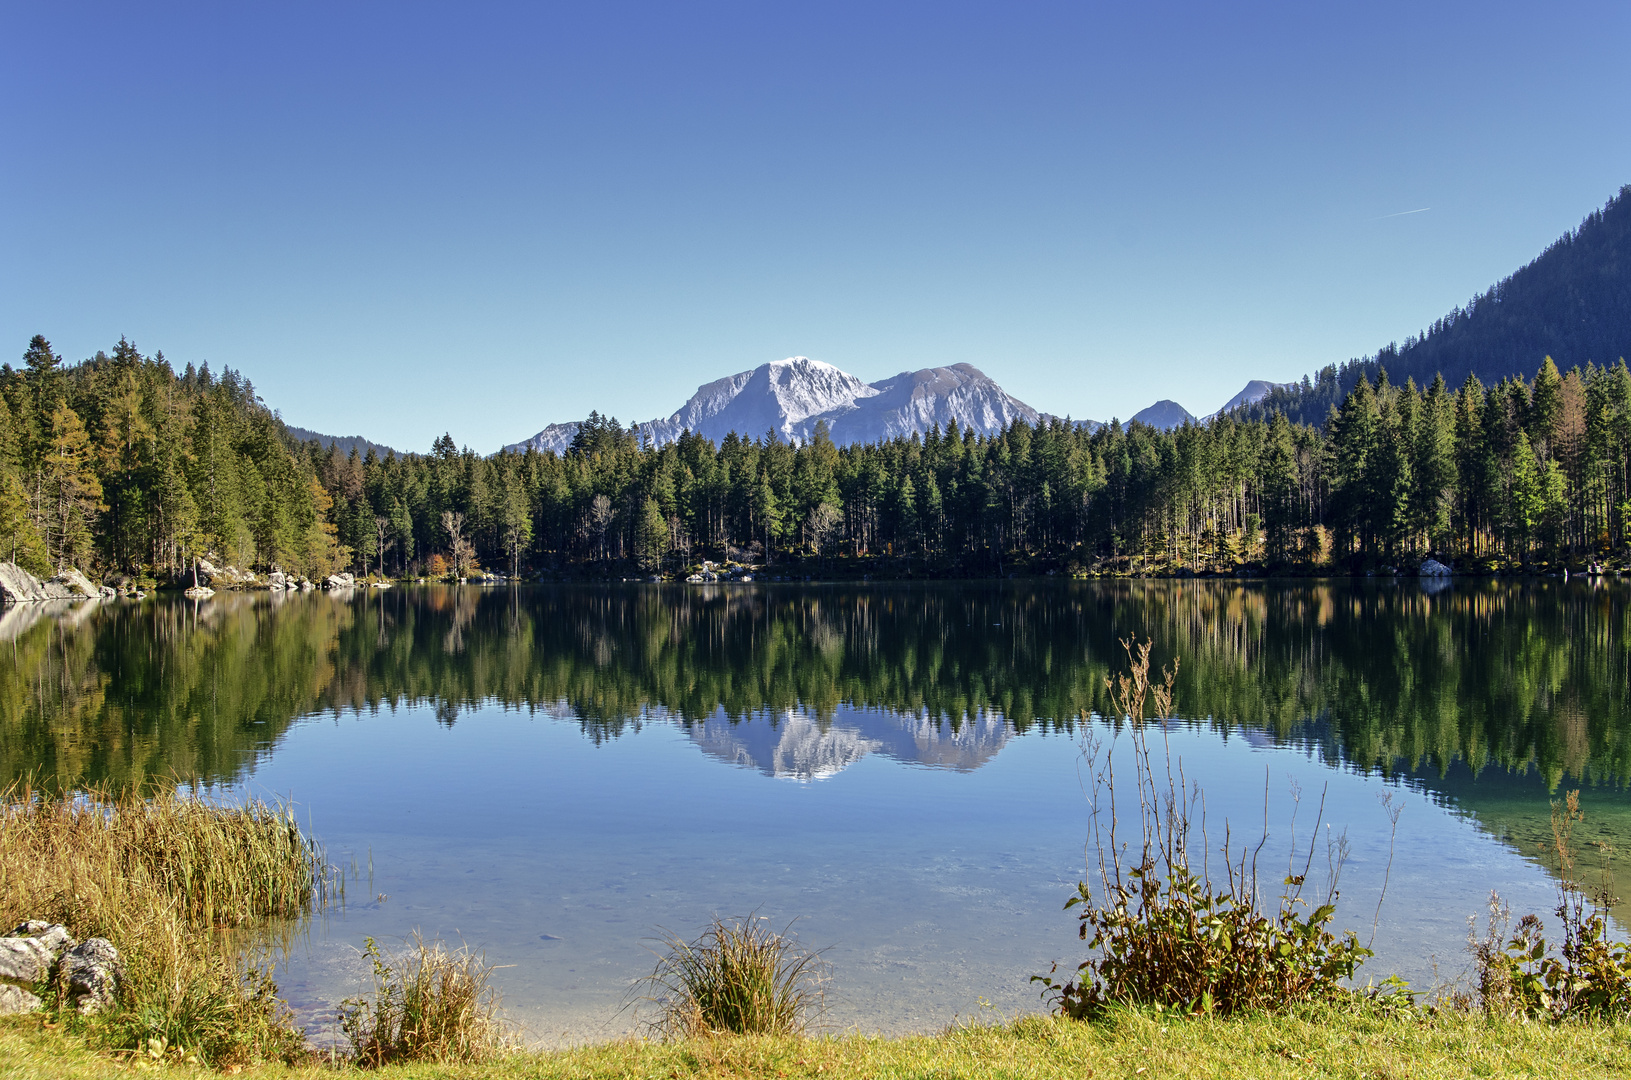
18	586
27	957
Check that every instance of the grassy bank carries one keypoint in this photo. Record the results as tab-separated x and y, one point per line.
1126	1044
167	879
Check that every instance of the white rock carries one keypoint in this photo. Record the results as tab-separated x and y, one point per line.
14	1001
28	954
1433	568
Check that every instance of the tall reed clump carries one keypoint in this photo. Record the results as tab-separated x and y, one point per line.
1167	934
431	1004
739	977
163	878
1588	976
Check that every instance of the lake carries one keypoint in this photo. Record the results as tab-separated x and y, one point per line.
556	775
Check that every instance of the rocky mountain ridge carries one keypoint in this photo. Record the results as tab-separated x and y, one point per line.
791	397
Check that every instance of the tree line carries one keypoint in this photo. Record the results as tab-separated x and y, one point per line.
121	466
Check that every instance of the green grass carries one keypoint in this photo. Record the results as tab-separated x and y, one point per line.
1305	1043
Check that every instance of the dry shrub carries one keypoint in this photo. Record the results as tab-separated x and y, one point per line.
430	1004
163	878
739	977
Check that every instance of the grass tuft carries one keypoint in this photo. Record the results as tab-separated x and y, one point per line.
431	1004
739	977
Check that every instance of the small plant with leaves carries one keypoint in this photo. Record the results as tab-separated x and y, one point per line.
739	977
1167	935
431	1004
1589	976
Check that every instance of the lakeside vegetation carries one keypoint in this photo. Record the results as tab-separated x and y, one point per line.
126	469
167	879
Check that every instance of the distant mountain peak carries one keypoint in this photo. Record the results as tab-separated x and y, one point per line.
1254	391
1165	414
792	396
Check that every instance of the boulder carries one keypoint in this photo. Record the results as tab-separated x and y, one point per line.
14	1001
54	935
342	581
19	586
1433	568
108	592
199	592
75	585
27	958
92	972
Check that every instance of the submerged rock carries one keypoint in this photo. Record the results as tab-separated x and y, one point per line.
92	971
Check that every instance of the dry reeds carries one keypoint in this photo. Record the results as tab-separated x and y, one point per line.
431	1004
158	877
739	977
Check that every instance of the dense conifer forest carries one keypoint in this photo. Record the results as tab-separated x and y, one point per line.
122	467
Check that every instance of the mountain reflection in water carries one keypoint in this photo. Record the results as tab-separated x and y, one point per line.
1528	679
798	746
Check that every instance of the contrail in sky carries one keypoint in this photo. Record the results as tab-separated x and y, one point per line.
1402	213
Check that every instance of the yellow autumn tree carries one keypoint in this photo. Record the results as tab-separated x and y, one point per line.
72	488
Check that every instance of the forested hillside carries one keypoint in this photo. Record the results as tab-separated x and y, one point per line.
1573	303
120	466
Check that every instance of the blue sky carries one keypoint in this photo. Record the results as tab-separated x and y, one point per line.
403	219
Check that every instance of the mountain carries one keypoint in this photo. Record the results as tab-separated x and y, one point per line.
1255	391
346	443
792	396
1572	303
1164	414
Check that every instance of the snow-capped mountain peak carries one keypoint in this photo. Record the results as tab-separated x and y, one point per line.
792	396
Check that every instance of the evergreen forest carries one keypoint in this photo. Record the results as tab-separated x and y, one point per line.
123	468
